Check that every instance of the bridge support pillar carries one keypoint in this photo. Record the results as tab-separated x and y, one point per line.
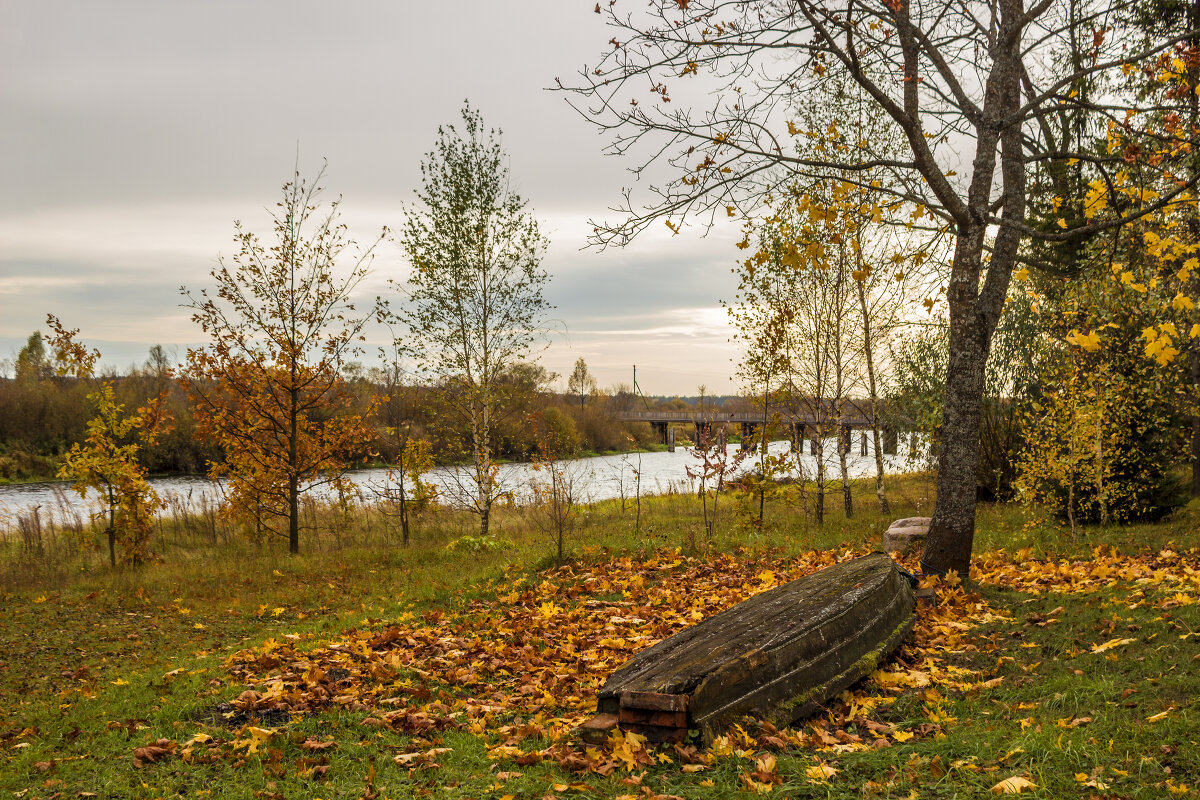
864	443
749	430
703	431
890	440
670	437
797	437
660	431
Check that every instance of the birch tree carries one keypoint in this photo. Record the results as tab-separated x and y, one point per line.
474	295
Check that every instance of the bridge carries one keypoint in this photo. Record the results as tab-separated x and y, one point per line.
853	416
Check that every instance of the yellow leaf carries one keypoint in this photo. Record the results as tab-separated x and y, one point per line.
1160	716
1062	223
1111	643
1182	303
1166	356
1014	785
820	772
1022	274
1088	341
902	736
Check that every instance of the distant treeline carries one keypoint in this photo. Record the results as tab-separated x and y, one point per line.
42	415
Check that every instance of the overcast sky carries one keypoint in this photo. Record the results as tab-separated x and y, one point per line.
133	134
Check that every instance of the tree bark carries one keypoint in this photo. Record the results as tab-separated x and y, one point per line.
112	528
1195	422
293	476
845	442
952	529
820	441
873	394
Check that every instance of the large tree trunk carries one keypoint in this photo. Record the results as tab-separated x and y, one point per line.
975	309
952	529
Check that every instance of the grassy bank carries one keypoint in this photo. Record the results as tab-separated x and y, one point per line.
362	669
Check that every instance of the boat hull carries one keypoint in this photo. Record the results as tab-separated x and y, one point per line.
775	657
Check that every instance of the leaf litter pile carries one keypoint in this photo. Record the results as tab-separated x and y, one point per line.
520	668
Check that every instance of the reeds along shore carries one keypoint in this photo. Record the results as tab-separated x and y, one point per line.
54	546
47	545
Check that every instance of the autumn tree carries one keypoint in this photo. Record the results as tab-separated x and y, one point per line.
581	383
762	325
106	461
32	363
474	295
268	388
967	88
1179	106
1116	398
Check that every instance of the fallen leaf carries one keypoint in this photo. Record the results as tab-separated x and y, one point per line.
1014	785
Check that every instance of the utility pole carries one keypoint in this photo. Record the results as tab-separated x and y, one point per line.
638	390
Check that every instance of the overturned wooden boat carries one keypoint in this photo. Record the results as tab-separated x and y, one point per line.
775	657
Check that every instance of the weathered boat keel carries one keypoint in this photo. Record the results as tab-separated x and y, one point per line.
775	657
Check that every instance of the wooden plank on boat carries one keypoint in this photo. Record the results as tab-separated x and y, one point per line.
776	657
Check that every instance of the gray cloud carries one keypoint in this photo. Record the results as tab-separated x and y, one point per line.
136	132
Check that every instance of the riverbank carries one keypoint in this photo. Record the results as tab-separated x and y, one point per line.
594	479
1076	665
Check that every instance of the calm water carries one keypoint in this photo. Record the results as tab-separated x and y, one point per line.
599	478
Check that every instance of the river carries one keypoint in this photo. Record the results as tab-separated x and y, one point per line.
596	478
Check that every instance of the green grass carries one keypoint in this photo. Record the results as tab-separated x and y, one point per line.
100	662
